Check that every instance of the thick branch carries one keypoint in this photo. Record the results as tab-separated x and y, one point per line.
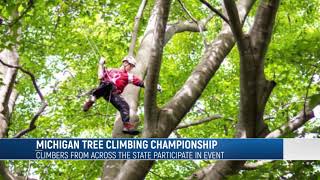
263	97
136	27
248	96
215	11
234	21
263	27
43	101
187	26
292	125
150	101
32	125
261	34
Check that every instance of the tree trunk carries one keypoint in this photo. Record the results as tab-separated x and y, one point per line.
171	115
6	89
252	50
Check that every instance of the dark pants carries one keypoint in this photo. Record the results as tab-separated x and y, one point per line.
105	90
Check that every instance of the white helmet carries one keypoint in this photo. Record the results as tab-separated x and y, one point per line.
130	60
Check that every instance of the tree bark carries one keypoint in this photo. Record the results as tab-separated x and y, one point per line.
260	35
6	89
161	9
136	27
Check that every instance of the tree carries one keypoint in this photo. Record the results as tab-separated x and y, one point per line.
71	35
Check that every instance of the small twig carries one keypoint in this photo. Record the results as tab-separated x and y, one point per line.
30	4
291	125
186	10
195	21
215	11
306	96
43	101
136	27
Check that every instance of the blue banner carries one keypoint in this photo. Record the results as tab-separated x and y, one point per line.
147	149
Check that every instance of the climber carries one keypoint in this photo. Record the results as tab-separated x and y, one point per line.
112	84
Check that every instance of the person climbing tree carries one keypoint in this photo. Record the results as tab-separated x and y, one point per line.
112	84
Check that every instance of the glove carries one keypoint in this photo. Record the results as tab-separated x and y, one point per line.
102	61
159	88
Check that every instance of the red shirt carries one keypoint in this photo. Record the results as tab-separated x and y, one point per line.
121	78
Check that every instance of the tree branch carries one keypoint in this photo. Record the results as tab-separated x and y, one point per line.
262	28
186	26
7	89
292	125
215	10
150	100
307	93
205	120
136	27
43	101
260	36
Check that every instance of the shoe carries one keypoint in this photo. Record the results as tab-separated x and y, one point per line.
87	105
129	128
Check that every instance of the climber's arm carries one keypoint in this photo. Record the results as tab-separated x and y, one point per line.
136	81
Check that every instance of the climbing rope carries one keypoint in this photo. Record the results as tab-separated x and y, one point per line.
97	53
